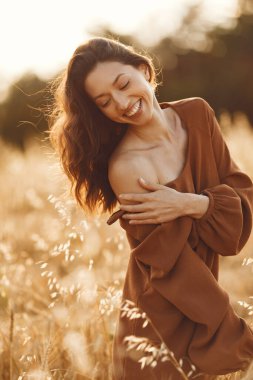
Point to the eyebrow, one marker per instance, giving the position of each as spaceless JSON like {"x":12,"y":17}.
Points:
{"x":115,"y":80}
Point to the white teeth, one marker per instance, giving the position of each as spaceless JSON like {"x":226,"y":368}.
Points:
{"x":134,"y":109}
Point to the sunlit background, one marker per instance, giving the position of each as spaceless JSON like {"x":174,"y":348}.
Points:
{"x":62,"y":272}
{"x":41,"y":36}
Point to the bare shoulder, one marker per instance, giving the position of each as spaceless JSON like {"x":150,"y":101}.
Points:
{"x":124,"y":171}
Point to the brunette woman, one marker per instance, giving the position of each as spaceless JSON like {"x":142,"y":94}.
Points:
{"x":195,"y":205}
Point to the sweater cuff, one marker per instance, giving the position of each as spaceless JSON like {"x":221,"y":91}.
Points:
{"x":210,"y":205}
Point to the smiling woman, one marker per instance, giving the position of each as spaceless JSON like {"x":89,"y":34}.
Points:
{"x":97,"y":98}
{"x":116,"y":103}
{"x":109,"y":129}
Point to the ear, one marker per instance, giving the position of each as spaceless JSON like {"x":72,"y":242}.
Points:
{"x":144,"y":68}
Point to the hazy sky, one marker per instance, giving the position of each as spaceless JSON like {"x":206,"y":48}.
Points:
{"x":42,"y":35}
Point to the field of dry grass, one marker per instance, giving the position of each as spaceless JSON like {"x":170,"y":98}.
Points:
{"x":62,"y":272}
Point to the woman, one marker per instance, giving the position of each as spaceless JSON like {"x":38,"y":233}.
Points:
{"x":110,"y":130}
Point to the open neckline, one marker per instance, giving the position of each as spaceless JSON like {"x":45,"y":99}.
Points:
{"x":187,"y":157}
{"x":118,"y":214}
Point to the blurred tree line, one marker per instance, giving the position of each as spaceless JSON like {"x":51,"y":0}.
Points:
{"x":220,"y":71}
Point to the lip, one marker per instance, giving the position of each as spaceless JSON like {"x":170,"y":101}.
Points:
{"x":137,"y":113}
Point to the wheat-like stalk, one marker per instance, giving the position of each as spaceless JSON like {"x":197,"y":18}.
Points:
{"x":154,"y":353}
{"x":66,"y":276}
{"x":11,"y":339}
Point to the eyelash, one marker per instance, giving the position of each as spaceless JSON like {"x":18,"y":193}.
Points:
{"x":104,"y":105}
{"x":125,"y":85}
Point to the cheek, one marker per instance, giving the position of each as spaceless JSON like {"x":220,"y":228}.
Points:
{"x":150,"y":89}
{"x":105,"y":110}
{"x":110,"y":114}
{"x":147,"y":93}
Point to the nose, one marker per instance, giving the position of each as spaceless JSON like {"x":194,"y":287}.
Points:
{"x":121,"y":102}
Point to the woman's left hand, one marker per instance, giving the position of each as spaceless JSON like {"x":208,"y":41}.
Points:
{"x":161,"y":204}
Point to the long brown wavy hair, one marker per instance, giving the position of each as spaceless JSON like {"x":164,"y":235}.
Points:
{"x":82,"y":136}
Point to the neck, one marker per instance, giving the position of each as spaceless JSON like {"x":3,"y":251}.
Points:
{"x":157,"y":130}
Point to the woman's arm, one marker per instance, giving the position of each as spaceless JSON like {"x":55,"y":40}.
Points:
{"x":226,"y":225}
{"x":224,"y":222}
{"x":177,"y":274}
{"x":144,"y":203}
{"x":195,"y":205}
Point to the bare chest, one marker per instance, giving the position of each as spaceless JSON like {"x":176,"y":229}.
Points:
{"x":167,"y":162}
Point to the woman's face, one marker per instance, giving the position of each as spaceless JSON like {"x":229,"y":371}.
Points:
{"x":122,"y":92}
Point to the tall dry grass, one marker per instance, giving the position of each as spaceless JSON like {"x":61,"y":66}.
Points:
{"x":62,"y":272}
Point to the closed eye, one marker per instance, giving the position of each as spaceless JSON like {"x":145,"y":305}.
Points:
{"x":105,"y":104}
{"x":125,"y":85}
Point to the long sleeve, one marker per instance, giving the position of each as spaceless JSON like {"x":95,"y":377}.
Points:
{"x":227,"y":223}
{"x":171,"y":274}
{"x":181,"y":277}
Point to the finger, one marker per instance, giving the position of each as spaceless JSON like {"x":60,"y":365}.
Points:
{"x":146,"y":221}
{"x":150,"y":185}
{"x":150,"y":220}
{"x":138,"y":208}
{"x":139,"y":216}
{"x":134,"y":197}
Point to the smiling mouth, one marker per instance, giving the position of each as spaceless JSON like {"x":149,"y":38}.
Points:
{"x":135,"y":109}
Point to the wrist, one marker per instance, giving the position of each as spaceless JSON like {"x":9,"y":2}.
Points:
{"x":195,"y":205}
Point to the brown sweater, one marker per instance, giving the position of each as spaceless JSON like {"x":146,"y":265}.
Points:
{"x":172,"y":273}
